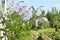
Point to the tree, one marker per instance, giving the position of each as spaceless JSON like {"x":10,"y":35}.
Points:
{"x":53,"y":17}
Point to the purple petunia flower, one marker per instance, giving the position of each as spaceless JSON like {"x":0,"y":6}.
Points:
{"x":27,"y":15}
{"x":16,"y":7}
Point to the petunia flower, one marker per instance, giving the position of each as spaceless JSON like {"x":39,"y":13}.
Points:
{"x":36,"y":22}
{"x":27,"y":15}
{"x":30,"y":14}
{"x":16,"y":7}
{"x":26,"y":18}
{"x":38,"y":13}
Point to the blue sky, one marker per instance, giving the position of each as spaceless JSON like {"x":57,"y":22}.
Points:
{"x":48,"y":4}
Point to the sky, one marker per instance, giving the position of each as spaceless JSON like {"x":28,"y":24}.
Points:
{"x":48,"y":4}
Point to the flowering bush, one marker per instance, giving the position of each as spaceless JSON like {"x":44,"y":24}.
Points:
{"x":15,"y":30}
{"x":19,"y":22}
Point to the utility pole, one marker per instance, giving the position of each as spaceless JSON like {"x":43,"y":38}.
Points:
{"x":3,"y":6}
{"x":3,"y":16}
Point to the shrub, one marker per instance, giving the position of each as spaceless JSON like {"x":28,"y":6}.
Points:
{"x":13,"y":28}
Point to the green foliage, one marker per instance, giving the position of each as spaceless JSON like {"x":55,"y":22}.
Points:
{"x":57,"y":37}
{"x":14,"y":29}
{"x":50,"y":32}
{"x":53,"y":17}
{"x":0,"y":11}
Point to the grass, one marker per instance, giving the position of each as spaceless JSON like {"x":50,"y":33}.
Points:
{"x":46,"y":29}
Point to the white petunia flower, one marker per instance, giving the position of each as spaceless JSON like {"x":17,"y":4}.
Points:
{"x":39,"y":12}
{"x":45,"y":19}
{"x":30,"y":14}
{"x":36,"y":22}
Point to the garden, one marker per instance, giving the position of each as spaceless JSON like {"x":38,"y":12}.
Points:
{"x":20,"y":23}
